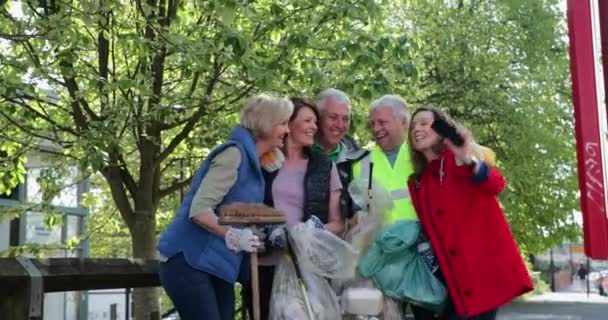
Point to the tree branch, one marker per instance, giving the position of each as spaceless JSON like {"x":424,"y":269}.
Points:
{"x":177,"y":186}
{"x":30,"y":131}
{"x":193,"y":120}
{"x":113,"y":177}
{"x":183,"y":134}
{"x":103,"y":53}
{"x":70,"y":83}
{"x":126,"y":176}
{"x":43,"y":116}
{"x":195,"y":79}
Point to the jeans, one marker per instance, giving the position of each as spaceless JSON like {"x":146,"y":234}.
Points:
{"x":196,"y":294}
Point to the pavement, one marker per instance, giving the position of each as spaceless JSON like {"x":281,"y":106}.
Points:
{"x":567,"y":305}
{"x":568,"y":297}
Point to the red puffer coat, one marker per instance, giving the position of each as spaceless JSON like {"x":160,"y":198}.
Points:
{"x":467,"y":228}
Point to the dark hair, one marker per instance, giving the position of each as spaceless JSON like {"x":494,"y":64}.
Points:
{"x":419,"y":161}
{"x":299,"y":103}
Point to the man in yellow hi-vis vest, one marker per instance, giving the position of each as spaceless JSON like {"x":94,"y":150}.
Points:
{"x":389,"y":121}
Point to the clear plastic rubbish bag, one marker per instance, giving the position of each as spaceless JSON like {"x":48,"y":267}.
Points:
{"x":368,"y":221}
{"x":288,"y":302}
{"x":381,"y":198}
{"x":363,"y":230}
{"x":392,"y":310}
{"x":323,"y":253}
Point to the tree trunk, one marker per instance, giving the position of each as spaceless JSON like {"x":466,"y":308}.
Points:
{"x":146,"y":300}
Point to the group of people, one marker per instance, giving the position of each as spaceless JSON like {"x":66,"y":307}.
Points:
{"x":430,"y":179}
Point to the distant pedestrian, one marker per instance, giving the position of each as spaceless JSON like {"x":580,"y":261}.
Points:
{"x":582,"y":272}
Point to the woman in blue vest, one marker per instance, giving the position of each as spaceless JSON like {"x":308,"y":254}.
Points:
{"x":200,"y":259}
{"x":306,"y":188}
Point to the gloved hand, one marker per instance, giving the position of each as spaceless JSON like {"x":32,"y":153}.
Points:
{"x":315,"y":223}
{"x":259,"y":232}
{"x":276,"y":236}
{"x":242,"y":240}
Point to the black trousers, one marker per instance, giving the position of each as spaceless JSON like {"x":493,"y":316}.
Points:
{"x":449,"y":313}
{"x":266,"y":276}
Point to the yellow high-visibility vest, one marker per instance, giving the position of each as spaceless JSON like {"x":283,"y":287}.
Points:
{"x":393,"y":178}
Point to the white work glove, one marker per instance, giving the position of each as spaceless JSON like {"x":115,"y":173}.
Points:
{"x":242,"y":240}
{"x":261,"y":237}
{"x":276,"y":236}
{"x":315,"y":223}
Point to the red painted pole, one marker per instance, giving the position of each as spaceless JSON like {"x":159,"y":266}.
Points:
{"x":588,"y":114}
{"x":603,"y":9}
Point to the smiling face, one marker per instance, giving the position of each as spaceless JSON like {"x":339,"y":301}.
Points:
{"x":388,"y":129}
{"x":278,"y":134}
{"x":303,"y":127}
{"x":334,"y":123}
{"x":422,"y":137}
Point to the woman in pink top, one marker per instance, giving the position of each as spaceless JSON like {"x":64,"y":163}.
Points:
{"x":306,"y":188}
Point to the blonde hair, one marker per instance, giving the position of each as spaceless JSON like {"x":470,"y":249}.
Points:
{"x":261,"y":112}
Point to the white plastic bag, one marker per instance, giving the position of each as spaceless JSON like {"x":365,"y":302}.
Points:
{"x":362,"y":301}
{"x":368,"y":224}
{"x":391,"y":308}
{"x":323,"y":253}
{"x":288,"y":302}
{"x":370,"y":220}
{"x":381,"y":198}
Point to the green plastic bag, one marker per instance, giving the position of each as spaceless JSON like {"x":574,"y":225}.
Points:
{"x":393,"y":263}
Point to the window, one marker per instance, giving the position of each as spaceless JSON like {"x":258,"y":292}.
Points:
{"x":67,"y":196}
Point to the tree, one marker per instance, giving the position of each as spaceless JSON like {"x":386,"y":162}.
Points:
{"x":136,"y":93}
{"x":134,"y":89}
{"x":501,"y":67}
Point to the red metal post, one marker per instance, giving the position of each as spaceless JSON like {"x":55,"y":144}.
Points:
{"x":603,"y":8}
{"x":590,"y":153}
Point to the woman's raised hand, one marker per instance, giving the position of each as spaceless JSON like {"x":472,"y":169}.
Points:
{"x":463,"y":152}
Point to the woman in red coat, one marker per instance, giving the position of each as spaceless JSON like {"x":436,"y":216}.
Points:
{"x":455,"y":197}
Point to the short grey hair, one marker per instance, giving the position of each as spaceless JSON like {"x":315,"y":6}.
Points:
{"x":332,"y":94}
{"x":391,"y":101}
{"x":261,"y":112}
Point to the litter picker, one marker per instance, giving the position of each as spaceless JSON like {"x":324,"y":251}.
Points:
{"x":296,"y":266}
{"x":251,"y":215}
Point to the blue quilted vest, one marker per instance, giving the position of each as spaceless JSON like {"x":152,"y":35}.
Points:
{"x":206,"y":251}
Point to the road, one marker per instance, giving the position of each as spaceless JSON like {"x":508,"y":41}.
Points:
{"x":558,"y":306}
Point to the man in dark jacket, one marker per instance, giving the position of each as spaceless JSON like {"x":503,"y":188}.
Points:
{"x":332,"y":139}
